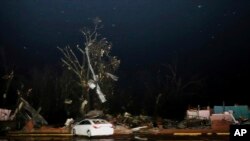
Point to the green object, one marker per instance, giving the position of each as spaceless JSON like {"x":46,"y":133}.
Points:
{"x":239,"y":111}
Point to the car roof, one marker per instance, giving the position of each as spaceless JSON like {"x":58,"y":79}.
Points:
{"x":95,"y":119}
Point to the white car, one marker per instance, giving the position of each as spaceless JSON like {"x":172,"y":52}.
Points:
{"x":93,"y":127}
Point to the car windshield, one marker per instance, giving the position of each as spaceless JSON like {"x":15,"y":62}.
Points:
{"x":100,"y":121}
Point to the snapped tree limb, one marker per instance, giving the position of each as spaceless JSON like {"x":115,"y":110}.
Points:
{"x":98,"y":89}
{"x":93,"y":65}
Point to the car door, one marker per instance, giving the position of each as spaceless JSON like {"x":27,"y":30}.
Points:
{"x":83,"y":127}
{"x":78,"y":128}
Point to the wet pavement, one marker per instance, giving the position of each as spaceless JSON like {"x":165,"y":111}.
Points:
{"x":120,"y":138}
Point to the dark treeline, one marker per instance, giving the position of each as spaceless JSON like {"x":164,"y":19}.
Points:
{"x":159,"y":91}
{"x":165,"y":90}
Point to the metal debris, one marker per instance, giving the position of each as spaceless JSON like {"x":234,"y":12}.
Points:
{"x":138,"y":128}
{"x":141,"y":138}
{"x":94,"y":114}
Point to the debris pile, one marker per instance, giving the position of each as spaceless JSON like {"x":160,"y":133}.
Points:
{"x":133,"y":121}
{"x":167,"y":124}
{"x":4,"y":114}
{"x":127,"y":123}
{"x":24,"y":117}
{"x":94,"y":114}
{"x":27,"y":113}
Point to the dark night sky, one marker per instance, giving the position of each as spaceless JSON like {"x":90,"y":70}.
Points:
{"x":209,"y":37}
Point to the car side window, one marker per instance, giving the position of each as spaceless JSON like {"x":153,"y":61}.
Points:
{"x":85,"y":122}
{"x":82,"y":122}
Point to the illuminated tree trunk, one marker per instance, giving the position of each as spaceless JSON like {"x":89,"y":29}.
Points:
{"x":96,"y":61}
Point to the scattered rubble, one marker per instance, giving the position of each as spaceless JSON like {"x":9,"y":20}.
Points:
{"x":4,"y":114}
{"x":138,"y":128}
{"x":133,"y":121}
{"x":137,"y":123}
{"x":122,"y":130}
{"x":24,"y":117}
{"x":94,"y":114}
{"x":127,"y":123}
{"x":69,"y":122}
{"x":140,"y":138}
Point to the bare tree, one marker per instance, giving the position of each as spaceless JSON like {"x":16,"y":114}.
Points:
{"x":8,"y":78}
{"x":174,"y":87}
{"x":92,"y":64}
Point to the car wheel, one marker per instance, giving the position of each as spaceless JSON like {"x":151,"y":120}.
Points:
{"x":88,"y":133}
{"x":74,"y":132}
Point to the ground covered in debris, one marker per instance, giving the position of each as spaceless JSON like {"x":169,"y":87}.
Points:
{"x":129,"y":124}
